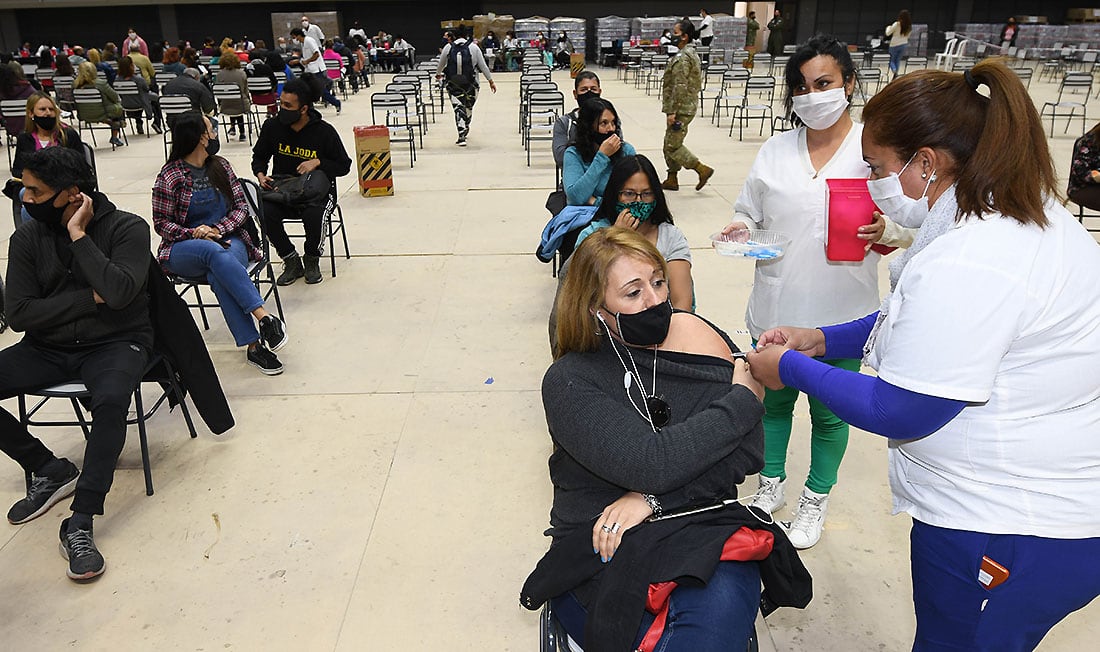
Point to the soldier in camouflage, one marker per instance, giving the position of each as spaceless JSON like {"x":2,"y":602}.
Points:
{"x":679,"y":102}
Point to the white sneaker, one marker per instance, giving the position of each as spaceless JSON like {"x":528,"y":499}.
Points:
{"x":809,"y":519}
{"x":770,"y":495}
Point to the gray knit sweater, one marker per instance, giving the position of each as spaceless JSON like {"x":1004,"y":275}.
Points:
{"x":604,"y":448}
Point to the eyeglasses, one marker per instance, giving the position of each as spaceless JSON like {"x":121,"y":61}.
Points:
{"x":630,"y":195}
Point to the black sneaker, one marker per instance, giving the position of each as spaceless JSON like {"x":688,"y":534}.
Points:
{"x":461,"y":142}
{"x":264,"y":360}
{"x":273,"y":332}
{"x":45,"y":492}
{"x":77,"y":546}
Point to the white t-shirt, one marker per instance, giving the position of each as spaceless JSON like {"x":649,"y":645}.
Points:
{"x":314,"y":31}
{"x":784,"y":193}
{"x":706,"y":28}
{"x":309,"y":46}
{"x":1007,"y":318}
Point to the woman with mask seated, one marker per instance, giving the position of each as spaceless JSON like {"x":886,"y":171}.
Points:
{"x":597,"y":145}
{"x":633,"y":199}
{"x":650,"y":414}
{"x":202,"y":217}
{"x":43,"y":128}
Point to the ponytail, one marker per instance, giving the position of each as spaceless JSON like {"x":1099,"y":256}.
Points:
{"x":1002,"y":162}
{"x":1011,"y":171}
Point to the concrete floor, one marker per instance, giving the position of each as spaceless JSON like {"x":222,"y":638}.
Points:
{"x":389,"y":491}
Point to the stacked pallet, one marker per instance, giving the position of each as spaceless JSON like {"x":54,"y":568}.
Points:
{"x":574,"y":28}
{"x":650,"y":29}
{"x":527,"y":29}
{"x":612,"y":28}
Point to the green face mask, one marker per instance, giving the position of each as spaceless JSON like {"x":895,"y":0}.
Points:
{"x":639,"y":209}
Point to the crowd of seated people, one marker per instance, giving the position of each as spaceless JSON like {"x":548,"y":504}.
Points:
{"x":81,"y":278}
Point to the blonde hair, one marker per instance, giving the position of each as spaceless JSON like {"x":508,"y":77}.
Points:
{"x":586,"y":283}
{"x":30,"y":127}
{"x":85,"y":75}
{"x":93,"y":55}
{"x":229,"y":61}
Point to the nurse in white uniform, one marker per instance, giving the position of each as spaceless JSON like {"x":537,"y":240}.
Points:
{"x":785,"y":191}
{"x":988,"y":360}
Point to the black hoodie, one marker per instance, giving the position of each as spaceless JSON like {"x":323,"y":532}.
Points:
{"x":51,"y":278}
{"x":289,"y":148}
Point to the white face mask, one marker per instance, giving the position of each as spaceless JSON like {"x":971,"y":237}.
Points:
{"x":821,"y":110}
{"x":889,"y":196}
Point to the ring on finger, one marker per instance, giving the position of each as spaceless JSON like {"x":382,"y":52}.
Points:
{"x":614,"y":528}
{"x":607,"y":529}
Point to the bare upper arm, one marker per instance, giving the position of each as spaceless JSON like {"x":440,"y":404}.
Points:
{"x":690,"y":334}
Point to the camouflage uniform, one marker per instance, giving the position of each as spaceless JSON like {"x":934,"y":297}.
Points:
{"x":680,"y":96}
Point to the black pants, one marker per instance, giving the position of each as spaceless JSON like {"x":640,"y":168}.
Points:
{"x":706,"y":40}
{"x":110,"y":371}
{"x":275,"y":213}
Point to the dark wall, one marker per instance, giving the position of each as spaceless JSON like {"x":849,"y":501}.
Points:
{"x":419,"y":21}
{"x":854,"y":21}
{"x":217,"y":20}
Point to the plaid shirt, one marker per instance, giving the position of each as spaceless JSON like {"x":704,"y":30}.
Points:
{"x":172,"y":198}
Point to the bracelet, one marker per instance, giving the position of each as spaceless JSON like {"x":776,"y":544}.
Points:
{"x":653,"y":503}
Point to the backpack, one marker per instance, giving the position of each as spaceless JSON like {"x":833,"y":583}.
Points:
{"x":460,"y":65}
{"x":308,"y":189}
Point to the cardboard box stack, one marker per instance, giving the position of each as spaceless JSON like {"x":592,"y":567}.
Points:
{"x":372,"y":156}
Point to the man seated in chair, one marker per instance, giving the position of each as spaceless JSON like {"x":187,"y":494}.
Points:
{"x":299,"y":141}
{"x":76,"y":286}
{"x":188,"y":84}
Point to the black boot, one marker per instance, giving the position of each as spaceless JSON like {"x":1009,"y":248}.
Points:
{"x":312,"y":269}
{"x":292,"y":269}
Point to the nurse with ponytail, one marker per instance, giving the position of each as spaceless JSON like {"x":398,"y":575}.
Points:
{"x":988,"y":361}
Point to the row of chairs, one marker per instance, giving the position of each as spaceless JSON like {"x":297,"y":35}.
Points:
{"x":541,"y":103}
{"x":407,"y":103}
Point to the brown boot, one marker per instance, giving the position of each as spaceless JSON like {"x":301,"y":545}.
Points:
{"x":671,"y":183}
{"x":705,"y":173}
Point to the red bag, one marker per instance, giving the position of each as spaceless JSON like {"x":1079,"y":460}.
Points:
{"x":849,"y":206}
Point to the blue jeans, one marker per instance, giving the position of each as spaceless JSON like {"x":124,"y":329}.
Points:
{"x":896,"y":53}
{"x":718,"y":617}
{"x":225,"y":270}
{"x":1048,"y":579}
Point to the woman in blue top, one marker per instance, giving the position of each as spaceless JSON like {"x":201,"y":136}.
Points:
{"x":597,"y":144}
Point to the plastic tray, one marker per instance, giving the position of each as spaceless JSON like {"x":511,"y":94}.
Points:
{"x":751,"y":243}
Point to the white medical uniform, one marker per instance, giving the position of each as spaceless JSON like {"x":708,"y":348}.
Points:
{"x":783,"y":192}
{"x":1005,"y":317}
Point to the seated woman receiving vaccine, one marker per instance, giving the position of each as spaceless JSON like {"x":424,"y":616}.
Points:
{"x":652,"y":414}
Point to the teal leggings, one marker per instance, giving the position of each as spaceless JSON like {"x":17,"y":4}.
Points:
{"x":828,"y":435}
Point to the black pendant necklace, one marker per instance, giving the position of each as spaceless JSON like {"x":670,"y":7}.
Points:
{"x":659,"y":411}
